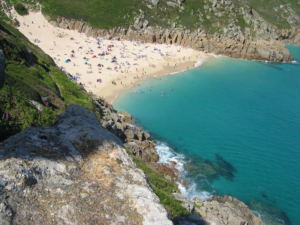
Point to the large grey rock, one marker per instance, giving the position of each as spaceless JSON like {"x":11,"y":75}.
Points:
{"x":38,"y":106}
{"x":173,"y":4}
{"x":225,"y":210}
{"x":2,"y":67}
{"x":73,"y":172}
{"x":186,"y":203}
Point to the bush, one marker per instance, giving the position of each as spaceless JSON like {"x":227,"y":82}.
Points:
{"x":17,"y":114}
{"x":21,"y":10}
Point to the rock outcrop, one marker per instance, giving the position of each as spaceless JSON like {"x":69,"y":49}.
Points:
{"x":73,"y":172}
{"x":2,"y":67}
{"x":263,"y":42}
{"x":186,"y":203}
{"x":225,"y":210}
{"x":136,"y":140}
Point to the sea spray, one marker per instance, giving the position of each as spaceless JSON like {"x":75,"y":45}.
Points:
{"x":168,"y":155}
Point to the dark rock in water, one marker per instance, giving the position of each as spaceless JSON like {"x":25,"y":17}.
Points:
{"x":270,"y":214}
{"x":210,"y":170}
{"x":2,"y":67}
{"x":225,"y":168}
{"x":73,"y":172}
{"x":225,"y":210}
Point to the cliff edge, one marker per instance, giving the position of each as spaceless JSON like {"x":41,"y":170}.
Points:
{"x":73,"y":172}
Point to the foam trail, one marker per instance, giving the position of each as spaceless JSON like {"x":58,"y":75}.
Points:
{"x":167,"y":154}
{"x":199,"y":62}
{"x":216,"y":56}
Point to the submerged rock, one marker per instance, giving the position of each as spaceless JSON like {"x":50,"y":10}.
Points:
{"x":271,"y":214}
{"x":73,"y":172}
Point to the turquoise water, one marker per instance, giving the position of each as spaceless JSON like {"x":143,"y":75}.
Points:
{"x":233,"y":127}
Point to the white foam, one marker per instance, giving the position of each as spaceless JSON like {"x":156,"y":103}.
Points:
{"x":191,"y":192}
{"x":257,"y":214}
{"x":216,"y":56}
{"x":166,"y":155}
{"x":295,"y":62}
{"x":199,"y":62}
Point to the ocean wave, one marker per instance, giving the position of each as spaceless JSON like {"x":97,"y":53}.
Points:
{"x":216,"y":56}
{"x":167,"y":155}
{"x":295,"y":62}
{"x":199,"y":62}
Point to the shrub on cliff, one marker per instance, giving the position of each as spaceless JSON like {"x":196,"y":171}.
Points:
{"x":17,"y":114}
{"x":21,"y":10}
{"x":162,"y":187}
{"x":34,"y":75}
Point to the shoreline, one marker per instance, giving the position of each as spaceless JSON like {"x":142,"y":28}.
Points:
{"x":87,"y":59}
{"x":163,"y":72}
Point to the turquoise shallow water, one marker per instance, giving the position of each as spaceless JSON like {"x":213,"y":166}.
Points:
{"x":233,"y":127}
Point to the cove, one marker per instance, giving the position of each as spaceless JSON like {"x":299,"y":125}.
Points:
{"x":233,"y":126}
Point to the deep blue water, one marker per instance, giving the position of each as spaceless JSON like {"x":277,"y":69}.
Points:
{"x":233,"y":126}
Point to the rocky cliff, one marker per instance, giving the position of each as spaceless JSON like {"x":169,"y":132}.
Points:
{"x":245,"y":34}
{"x":232,"y":43}
{"x":73,"y":172}
{"x":136,"y":140}
{"x":225,"y":210}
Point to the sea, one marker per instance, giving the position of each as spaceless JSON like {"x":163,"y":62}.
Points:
{"x":232,"y":126}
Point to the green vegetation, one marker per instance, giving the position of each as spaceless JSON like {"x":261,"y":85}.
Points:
{"x":21,"y":10}
{"x":266,"y":9}
{"x":17,"y":113}
{"x":162,"y":187}
{"x":31,"y":74}
{"x":100,"y":14}
{"x":192,"y":15}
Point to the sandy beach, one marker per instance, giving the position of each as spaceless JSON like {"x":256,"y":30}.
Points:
{"x":106,"y":67}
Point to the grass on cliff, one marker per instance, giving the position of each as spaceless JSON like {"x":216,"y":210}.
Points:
{"x":266,"y":10}
{"x":17,"y":113}
{"x":31,"y":74}
{"x":162,"y":187}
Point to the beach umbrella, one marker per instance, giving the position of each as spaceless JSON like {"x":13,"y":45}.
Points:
{"x":85,"y":63}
